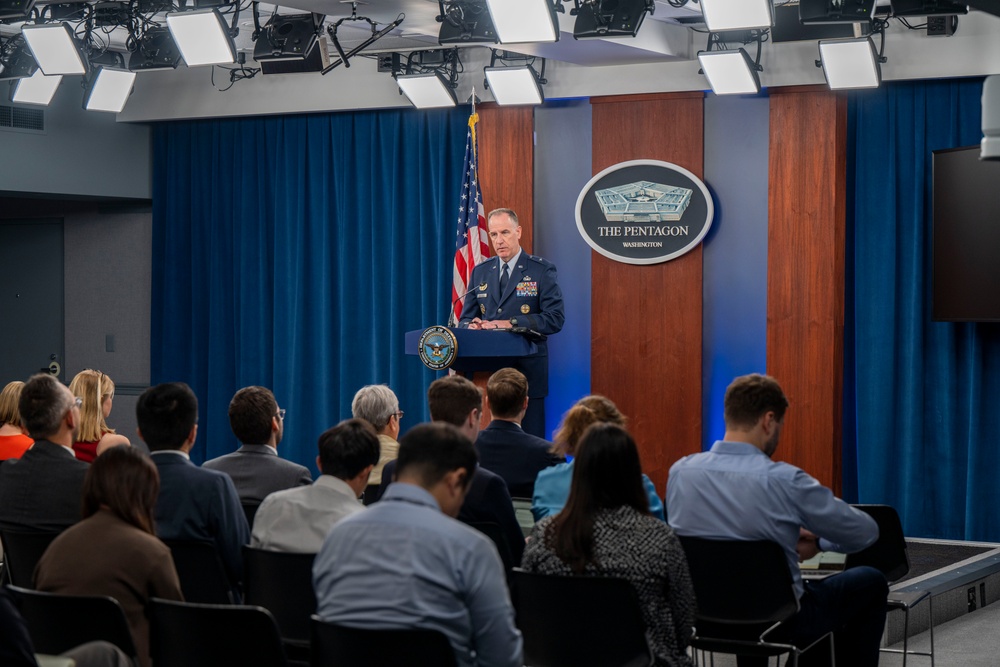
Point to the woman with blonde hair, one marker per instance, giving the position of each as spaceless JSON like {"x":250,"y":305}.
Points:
{"x":13,"y":440}
{"x":93,"y":435}
{"x":552,"y":484}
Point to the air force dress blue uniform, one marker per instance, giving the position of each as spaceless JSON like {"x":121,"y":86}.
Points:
{"x":532,"y":299}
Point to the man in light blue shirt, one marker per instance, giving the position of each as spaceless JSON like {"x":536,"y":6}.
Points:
{"x":405,"y":562}
{"x":736,"y":492}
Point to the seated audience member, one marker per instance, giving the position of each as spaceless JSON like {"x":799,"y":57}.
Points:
{"x":255,"y":468}
{"x":94,"y":436}
{"x":503,"y":447}
{"x":299,"y":519}
{"x":13,"y":440}
{"x":606,"y":530}
{"x":194,"y":503}
{"x":552,"y":485}
{"x":41,"y":490}
{"x":114,"y":550}
{"x":378,"y":405}
{"x":736,"y":492}
{"x":406,"y":563}
{"x":16,"y":649}
{"x":457,"y":401}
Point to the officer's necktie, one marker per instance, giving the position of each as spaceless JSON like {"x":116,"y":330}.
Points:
{"x":504,"y":277}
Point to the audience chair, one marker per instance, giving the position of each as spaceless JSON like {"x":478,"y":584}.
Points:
{"x":22,"y":551}
{"x":58,"y":623}
{"x":281,"y":583}
{"x":203,"y":577}
{"x":184,"y":634}
{"x":522,"y":510}
{"x":889,"y":555}
{"x":571,"y":621}
{"x":250,"y":511}
{"x":340,"y":646}
{"x":491,"y":529}
{"x":744,"y":592}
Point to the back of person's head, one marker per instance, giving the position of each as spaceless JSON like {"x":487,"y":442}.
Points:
{"x":348,"y":448}
{"x":430,"y":451}
{"x":250,"y":414}
{"x":750,"y":397}
{"x":94,"y":387}
{"x":452,"y":398}
{"x":376,"y":404}
{"x":507,"y":390}
{"x":124,"y":481}
{"x":588,"y":410}
{"x":606,"y":475}
{"x":9,"y":397}
{"x":166,"y":414}
{"x":43,"y":404}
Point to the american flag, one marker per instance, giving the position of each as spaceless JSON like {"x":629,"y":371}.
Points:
{"x":473,"y":243}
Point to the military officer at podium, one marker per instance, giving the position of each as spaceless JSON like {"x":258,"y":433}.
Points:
{"x":515,"y":289}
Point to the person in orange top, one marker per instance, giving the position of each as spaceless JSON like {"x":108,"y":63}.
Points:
{"x":14,"y":441}
{"x":93,"y":435}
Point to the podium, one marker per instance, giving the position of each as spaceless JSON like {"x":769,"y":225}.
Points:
{"x":480,"y":353}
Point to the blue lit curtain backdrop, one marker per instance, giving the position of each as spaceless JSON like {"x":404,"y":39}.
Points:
{"x":927,"y":393}
{"x":294,"y":252}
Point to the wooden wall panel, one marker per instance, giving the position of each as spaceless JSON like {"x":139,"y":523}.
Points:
{"x":507,"y":162}
{"x":805,"y":284}
{"x":647,"y":320}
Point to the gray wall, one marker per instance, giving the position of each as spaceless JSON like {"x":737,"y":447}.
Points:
{"x":108,"y":274}
{"x":84,"y":153}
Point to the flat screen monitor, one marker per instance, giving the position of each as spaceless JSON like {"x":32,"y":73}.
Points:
{"x":966,"y":237}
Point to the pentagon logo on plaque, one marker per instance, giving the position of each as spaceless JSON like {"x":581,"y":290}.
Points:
{"x":437,"y":347}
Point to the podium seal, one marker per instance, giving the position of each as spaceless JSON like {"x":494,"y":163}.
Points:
{"x":437,"y":347}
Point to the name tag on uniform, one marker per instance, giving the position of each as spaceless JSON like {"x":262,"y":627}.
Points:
{"x":527,"y":289}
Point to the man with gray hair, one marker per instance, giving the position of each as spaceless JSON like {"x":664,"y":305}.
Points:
{"x":42,"y":490}
{"x":378,"y":405}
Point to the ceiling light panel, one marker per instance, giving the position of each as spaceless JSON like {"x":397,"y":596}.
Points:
{"x":110,"y":90}
{"x":54,"y":49}
{"x":851,"y":63}
{"x":36,"y":89}
{"x":202,"y":37}
{"x":730,"y":72}
{"x":426,"y":91}
{"x":736,"y":14}
{"x":523,"y":21}
{"x":514,"y":85}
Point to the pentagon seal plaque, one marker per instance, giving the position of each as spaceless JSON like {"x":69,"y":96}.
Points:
{"x":437,"y":347}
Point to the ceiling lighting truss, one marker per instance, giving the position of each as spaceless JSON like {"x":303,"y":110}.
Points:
{"x":609,"y":18}
{"x":731,"y":71}
{"x":516,"y":81}
{"x":854,"y":63}
{"x":465,"y":22}
{"x":376,"y":35}
{"x":285,"y":36}
{"x":15,"y":59}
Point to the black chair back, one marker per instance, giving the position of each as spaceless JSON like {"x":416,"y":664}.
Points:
{"x":58,"y":623}
{"x":200,"y":570}
{"x":250,"y":511}
{"x":282,"y":584}
{"x":21,"y":553}
{"x":571,"y":621}
{"x":183,"y":634}
{"x":491,"y":529}
{"x":888,"y":554}
{"x":740,"y":582}
{"x":336,"y":645}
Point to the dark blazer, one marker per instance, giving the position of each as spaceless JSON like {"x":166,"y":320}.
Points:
{"x":487,"y":502}
{"x":258,"y":471}
{"x":505,"y":449}
{"x":43,"y":490}
{"x":199,"y":504}
{"x":532,"y":297}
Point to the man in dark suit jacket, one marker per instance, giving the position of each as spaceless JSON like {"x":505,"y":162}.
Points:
{"x":255,"y":468}
{"x":457,"y":401}
{"x":43,"y":490}
{"x":503,"y":446}
{"x":515,"y":289}
{"x":194,"y":503}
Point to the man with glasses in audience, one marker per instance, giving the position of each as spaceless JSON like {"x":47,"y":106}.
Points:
{"x":255,"y":468}
{"x":42,"y":490}
{"x":378,"y":405}
{"x":406,"y":563}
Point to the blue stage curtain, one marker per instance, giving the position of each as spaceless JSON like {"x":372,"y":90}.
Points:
{"x":927,"y":393}
{"x":293,"y":252}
